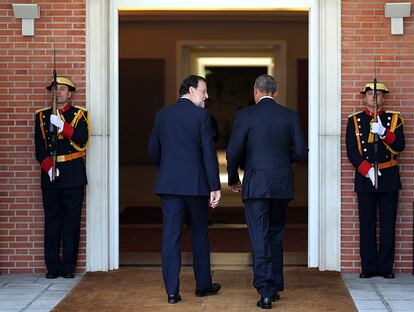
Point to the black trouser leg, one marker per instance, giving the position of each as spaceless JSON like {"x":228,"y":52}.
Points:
{"x":52,"y":233}
{"x":367,"y":207}
{"x":388,"y":203}
{"x":72,"y":200}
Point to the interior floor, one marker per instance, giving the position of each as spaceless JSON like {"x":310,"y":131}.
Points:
{"x":141,"y":222}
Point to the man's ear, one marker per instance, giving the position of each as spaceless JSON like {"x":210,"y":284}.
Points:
{"x":275,"y":94}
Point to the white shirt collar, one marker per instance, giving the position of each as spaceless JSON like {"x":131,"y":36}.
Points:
{"x":265,"y":97}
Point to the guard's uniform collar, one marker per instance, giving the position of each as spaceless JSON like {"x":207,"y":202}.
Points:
{"x":371,"y":114}
{"x":64,"y":108}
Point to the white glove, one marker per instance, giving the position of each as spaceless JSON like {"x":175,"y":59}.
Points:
{"x":55,"y":120}
{"x":371,"y":175}
{"x":378,"y":128}
{"x":50,"y":173}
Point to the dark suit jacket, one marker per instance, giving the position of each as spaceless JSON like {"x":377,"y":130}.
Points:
{"x":266,"y":138}
{"x":181,"y":145}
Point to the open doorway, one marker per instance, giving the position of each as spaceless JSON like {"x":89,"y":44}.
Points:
{"x":150,"y":62}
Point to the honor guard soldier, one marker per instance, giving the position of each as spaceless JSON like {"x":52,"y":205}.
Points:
{"x":62,"y":191}
{"x":363,"y":151}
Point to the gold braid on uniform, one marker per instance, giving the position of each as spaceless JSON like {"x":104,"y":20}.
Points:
{"x":394,"y":125}
{"x":74,"y":123}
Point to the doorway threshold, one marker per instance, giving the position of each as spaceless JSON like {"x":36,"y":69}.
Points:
{"x":219,"y":260}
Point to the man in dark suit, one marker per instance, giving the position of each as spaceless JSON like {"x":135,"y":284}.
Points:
{"x":181,"y":145}
{"x":62,"y":197}
{"x":266,"y":138}
{"x":360,"y":146}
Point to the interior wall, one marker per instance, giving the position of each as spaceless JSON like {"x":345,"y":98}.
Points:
{"x":147,"y":39}
{"x":157,"y":40}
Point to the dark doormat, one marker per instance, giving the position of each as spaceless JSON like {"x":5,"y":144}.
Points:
{"x":142,"y":290}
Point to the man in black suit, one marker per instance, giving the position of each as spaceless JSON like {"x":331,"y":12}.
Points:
{"x":360,"y":146}
{"x":266,"y":138}
{"x":181,"y":145}
{"x":62,"y":197}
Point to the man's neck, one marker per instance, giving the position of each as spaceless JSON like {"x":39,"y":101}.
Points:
{"x":61,"y":105}
{"x":371,"y":109}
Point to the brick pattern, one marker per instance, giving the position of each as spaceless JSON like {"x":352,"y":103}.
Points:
{"x":26,"y":65}
{"x":367,"y":33}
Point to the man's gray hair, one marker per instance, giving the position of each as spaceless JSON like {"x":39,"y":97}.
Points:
{"x":265,"y":83}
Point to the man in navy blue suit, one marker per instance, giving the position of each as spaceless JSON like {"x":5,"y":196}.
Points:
{"x":266,"y":138}
{"x":181,"y":145}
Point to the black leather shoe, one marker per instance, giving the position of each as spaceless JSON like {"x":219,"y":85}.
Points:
{"x":68,"y":275}
{"x":367,"y":274}
{"x":174,"y":298}
{"x":275,"y":297}
{"x":264,"y":303}
{"x":51,"y":275}
{"x":388,"y":275}
{"x":212,"y":290}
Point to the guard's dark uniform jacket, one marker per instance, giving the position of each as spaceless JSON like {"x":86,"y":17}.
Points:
{"x":71,"y":147}
{"x":360,"y":149}
{"x":63,"y":198}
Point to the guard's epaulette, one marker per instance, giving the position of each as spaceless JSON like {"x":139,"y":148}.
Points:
{"x":392,"y":112}
{"x":356,"y":113}
{"x":81,"y":107}
{"x":42,"y":109}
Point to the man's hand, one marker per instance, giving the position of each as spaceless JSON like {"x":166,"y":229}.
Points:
{"x":236,"y":188}
{"x":377,"y":127}
{"x":215,"y":198}
{"x":371,"y":175}
{"x":55,"y":120}
{"x":50,"y":173}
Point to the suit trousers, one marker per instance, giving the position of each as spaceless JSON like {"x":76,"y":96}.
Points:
{"x":266,"y":223}
{"x":373,"y":260}
{"x":175,"y":208}
{"x":62,"y":209}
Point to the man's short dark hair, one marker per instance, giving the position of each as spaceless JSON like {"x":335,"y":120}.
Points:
{"x":265,"y":83}
{"x":190,"y":81}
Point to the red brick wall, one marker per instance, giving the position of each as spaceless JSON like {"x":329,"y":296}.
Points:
{"x":25,"y":69}
{"x":367,"y":33}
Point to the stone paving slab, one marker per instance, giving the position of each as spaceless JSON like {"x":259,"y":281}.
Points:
{"x":358,"y":291}
{"x":401,"y":305}
{"x":366,"y":304}
{"x":32,"y":292}
{"x":380,"y":294}
{"x":397,"y":292}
